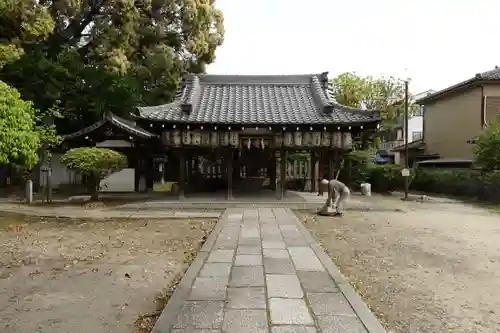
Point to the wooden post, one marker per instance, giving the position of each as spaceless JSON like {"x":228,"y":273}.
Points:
{"x":321,"y":161}
{"x":314,"y":176}
{"x":189,"y":171}
{"x":272,"y":170}
{"x":331,"y":165}
{"x":182,"y":173}
{"x":229,"y":166}
{"x":282,"y":173}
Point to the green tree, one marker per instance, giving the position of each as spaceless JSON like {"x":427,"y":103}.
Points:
{"x":95,"y":163}
{"x":19,"y":138}
{"x":89,"y":56}
{"x":487,"y":151}
{"x":386,"y":95}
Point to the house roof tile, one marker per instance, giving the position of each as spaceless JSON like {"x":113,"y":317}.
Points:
{"x":126,"y":125}
{"x":256,"y":99}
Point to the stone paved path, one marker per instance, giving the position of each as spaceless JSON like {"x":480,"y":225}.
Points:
{"x":261,"y":271}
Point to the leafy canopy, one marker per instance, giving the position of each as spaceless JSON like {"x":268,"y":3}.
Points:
{"x":487,"y":151}
{"x":386,"y":95}
{"x":19,"y":139}
{"x":91,"y":56}
{"x":95,"y":162}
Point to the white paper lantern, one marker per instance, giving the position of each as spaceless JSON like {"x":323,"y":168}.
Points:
{"x":224,"y":139}
{"x":196,"y":138}
{"x":165,"y":138}
{"x":337,"y":140}
{"x":316,"y":139}
{"x":297,"y":139}
{"x":233,"y":139}
{"x":186,"y":137}
{"x":307,"y":139}
{"x":278,"y":140}
{"x":326,"y":139}
{"x":288,"y":139}
{"x":205,"y":138}
{"x":347,"y":140}
{"x":177,"y":138}
{"x":214,"y":139}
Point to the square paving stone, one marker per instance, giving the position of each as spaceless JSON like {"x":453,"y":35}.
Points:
{"x":293,"y":329}
{"x":200,"y":314}
{"x":278,"y":266}
{"x":284,"y":286}
{"x":249,"y":242}
{"x":249,"y":250}
{"x":289,"y":229}
{"x":246,"y":298}
{"x":209,"y":288}
{"x":248,"y":260}
{"x":329,"y":304}
{"x":340,"y":324}
{"x":320,"y":282}
{"x":247,"y":276}
{"x":245,"y":321}
{"x":289,"y":312}
{"x":195,"y":330}
{"x":250,"y":233}
{"x":276,"y":254}
{"x":221,"y":256}
{"x":296,"y":241}
{"x":273,"y":245}
{"x":216,"y":269}
{"x":305,"y":259}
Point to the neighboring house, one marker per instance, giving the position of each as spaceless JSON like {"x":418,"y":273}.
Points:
{"x":455,"y":115}
{"x":394,"y":137}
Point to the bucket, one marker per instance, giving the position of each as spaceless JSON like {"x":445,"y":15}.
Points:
{"x":366,"y":189}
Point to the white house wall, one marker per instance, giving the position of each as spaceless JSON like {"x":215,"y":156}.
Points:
{"x":61,"y":175}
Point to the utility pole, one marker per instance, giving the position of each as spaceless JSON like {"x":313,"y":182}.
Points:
{"x":406,"y":176}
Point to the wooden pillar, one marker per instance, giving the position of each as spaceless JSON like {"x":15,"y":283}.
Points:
{"x":282,"y":173}
{"x":137,"y":173}
{"x":321,"y":161}
{"x":331,"y":165}
{"x":189,"y":170}
{"x":229,"y":173}
{"x":314,"y":176}
{"x":272,"y":170}
{"x":182,"y":173}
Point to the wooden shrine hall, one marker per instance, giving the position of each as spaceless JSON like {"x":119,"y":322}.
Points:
{"x":245,"y":126}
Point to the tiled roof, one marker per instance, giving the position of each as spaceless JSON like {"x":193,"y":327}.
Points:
{"x":256,"y":99}
{"x":491,"y":75}
{"x":126,"y":125}
{"x":417,"y":144}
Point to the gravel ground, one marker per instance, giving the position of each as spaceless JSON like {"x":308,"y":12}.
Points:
{"x":67,"y":275}
{"x":422,"y":267}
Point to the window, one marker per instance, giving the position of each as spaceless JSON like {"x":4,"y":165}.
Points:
{"x":416,"y":135}
{"x":420,"y":111}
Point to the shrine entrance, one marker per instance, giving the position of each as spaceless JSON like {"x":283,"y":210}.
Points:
{"x":254,"y":169}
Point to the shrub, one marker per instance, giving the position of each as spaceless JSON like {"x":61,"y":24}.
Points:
{"x":487,"y":152}
{"x":94,"y":163}
{"x":385,"y":178}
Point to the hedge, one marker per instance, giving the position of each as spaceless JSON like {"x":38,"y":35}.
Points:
{"x":468,"y":183}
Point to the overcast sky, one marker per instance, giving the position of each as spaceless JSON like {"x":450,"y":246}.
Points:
{"x":440,"y":42}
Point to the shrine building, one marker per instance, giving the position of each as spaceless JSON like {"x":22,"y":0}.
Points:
{"x":233,"y":132}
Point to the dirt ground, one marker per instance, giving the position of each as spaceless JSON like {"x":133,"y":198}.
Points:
{"x":422,"y":267}
{"x":64,"y":275}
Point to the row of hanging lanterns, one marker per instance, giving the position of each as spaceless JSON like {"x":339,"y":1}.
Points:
{"x":233,"y":139}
